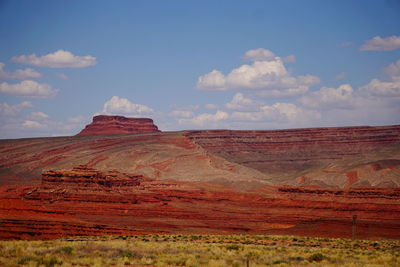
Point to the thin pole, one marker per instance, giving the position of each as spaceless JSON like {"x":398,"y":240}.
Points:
{"x":353,"y":227}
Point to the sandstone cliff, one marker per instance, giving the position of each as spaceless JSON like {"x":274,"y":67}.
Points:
{"x":104,"y":124}
{"x":300,"y":181}
{"x":85,"y":201}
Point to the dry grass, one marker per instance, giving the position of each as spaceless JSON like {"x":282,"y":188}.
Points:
{"x":200,"y":250}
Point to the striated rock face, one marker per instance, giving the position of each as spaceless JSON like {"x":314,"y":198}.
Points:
{"x":83,"y":175}
{"x":78,"y":202}
{"x":104,"y":124}
{"x":301,"y":181}
{"x":337,"y":156}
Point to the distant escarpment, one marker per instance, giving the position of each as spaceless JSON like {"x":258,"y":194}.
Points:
{"x":336,"y":156}
{"x":104,"y":124}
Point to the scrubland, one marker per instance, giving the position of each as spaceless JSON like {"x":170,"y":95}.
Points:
{"x":200,"y":250}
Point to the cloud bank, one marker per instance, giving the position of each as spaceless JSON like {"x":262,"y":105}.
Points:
{"x":266,"y":77}
{"x":382,"y":44}
{"x":28,"y":88}
{"x":58,"y":59}
{"x":19,"y":74}
{"x":119,"y":105}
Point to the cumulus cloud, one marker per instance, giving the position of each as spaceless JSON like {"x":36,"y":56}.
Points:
{"x":77,"y":119}
{"x":19,"y":74}
{"x":278,"y":112}
{"x":58,"y":59}
{"x":11,"y":110}
{"x":382,"y":44}
{"x":375,"y":103}
{"x":32,"y":124}
{"x":211,"y":106}
{"x":240,"y":102}
{"x":327,"y":98}
{"x":393,"y":70}
{"x":266,"y":77}
{"x":28,"y":88}
{"x":38,"y":115}
{"x":380,"y":88}
{"x":259,"y":54}
{"x":62,"y":76}
{"x":181,"y":113}
{"x":119,"y":105}
{"x":206,"y":119}
{"x":387,"y":88}
{"x":289,"y":59}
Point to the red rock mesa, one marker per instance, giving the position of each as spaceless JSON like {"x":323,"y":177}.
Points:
{"x":104,"y":124}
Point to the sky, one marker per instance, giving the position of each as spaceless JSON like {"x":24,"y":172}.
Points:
{"x":198,"y":64}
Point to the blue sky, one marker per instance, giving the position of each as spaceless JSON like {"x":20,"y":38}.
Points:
{"x":198,"y":64}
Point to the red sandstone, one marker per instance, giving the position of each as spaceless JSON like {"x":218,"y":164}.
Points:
{"x":104,"y":124}
{"x":76,"y":203}
{"x":301,"y":181}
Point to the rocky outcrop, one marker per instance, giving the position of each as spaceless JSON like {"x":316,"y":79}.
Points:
{"x":85,"y":176}
{"x":76,"y":202}
{"x":104,"y":124}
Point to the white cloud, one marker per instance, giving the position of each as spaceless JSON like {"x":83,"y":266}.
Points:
{"x":117,"y":105}
{"x":213,"y":81}
{"x":377,"y":87}
{"x":393,"y":70}
{"x":62,"y":76}
{"x":240,"y":102}
{"x":28,"y":88}
{"x":19,"y":74}
{"x":388,"y":88}
{"x":77,"y":119}
{"x":268,"y":78}
{"x":206,"y":119}
{"x":259,"y":54}
{"x":32,"y":124}
{"x":328,"y":98}
{"x":11,"y":110}
{"x":289,"y":59}
{"x":382,"y":44}
{"x":278,"y":112}
{"x":211,"y":106}
{"x":181,"y":114}
{"x":376,"y":103}
{"x":38,"y":115}
{"x":58,"y":59}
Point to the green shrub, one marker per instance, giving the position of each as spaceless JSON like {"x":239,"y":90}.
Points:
{"x":316,"y":257}
{"x":26,"y":259}
{"x":298,"y":258}
{"x":67,"y":250}
{"x":232,"y":247}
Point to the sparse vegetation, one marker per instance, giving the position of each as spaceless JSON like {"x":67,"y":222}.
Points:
{"x":200,"y":250}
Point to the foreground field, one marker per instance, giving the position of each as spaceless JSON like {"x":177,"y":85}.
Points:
{"x":200,"y":250}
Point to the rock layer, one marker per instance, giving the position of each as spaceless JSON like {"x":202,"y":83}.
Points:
{"x":346,"y":155}
{"x":104,"y":124}
{"x":83,"y":175}
{"x":301,"y":181}
{"x":81,"y":206}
